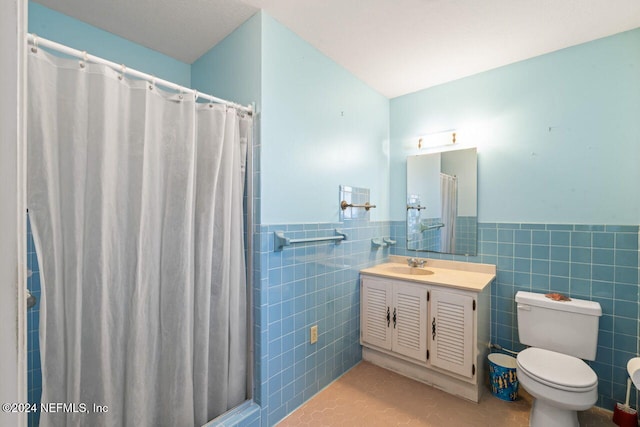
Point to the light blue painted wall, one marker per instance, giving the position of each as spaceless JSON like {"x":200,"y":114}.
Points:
{"x":558,"y":135}
{"x":321,"y":127}
{"x":63,"y":29}
{"x":232,"y":69}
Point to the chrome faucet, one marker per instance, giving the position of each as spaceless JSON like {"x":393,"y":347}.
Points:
{"x":415,"y":262}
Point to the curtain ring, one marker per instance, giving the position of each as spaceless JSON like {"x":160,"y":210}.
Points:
{"x":84,"y":59}
{"x":153,"y":82}
{"x":196,"y":94}
{"x":34,"y":48}
{"x":123,"y":70}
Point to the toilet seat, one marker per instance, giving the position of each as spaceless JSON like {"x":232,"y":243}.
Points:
{"x":557,"y":370}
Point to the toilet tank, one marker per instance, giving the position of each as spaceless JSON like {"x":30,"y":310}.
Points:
{"x":567,"y":327}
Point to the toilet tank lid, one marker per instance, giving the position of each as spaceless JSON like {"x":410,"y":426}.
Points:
{"x":590,"y":308}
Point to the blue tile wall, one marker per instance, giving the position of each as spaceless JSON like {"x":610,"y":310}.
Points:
{"x":427,"y":239}
{"x":466,"y":234}
{"x":34,"y":373}
{"x":308,"y":284}
{"x":593,"y":262}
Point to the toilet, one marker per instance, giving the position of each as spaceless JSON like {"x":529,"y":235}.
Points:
{"x":560,"y":334}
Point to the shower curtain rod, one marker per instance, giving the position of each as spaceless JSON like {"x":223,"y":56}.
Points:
{"x":37,"y":41}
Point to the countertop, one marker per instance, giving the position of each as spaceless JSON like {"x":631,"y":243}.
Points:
{"x":467,"y":276}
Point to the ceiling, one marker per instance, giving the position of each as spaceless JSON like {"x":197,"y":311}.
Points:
{"x":395,"y":46}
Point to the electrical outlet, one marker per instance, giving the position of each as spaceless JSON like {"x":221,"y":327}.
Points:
{"x":313,"y":334}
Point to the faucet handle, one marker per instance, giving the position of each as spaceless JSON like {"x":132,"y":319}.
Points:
{"x":415,"y":262}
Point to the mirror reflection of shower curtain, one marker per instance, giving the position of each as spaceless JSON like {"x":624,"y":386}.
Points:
{"x":414,"y":234}
{"x":135,"y":198}
{"x":449,"y":203}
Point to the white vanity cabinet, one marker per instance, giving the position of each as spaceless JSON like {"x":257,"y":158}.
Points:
{"x":452,"y":332}
{"x":394,"y":316}
{"x":427,"y":327}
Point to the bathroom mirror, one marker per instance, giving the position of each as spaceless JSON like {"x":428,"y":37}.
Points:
{"x":442,"y":202}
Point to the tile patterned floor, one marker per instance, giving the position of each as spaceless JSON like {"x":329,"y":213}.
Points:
{"x":368,"y":395}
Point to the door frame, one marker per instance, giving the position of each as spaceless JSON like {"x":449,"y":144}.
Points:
{"x":13,"y":309}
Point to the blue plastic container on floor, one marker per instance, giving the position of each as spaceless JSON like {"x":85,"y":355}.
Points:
{"x":502,"y":376}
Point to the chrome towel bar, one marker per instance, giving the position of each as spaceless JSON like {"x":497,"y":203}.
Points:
{"x":424,"y":227}
{"x":280,"y":241}
{"x":344,"y":205}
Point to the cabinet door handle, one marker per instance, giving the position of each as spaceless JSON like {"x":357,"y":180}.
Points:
{"x":388,"y":317}
{"x":394,"y":317}
{"x":433,"y":329}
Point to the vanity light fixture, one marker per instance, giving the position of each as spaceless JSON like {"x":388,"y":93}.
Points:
{"x":448,"y":137}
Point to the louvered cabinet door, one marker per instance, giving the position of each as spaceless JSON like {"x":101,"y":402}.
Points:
{"x":409,"y":321}
{"x":375,"y":307}
{"x":451,"y":332}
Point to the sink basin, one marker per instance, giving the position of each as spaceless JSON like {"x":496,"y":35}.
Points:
{"x":405,"y":269}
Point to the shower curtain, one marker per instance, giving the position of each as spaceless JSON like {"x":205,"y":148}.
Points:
{"x":449,"y":203}
{"x":135,"y":197}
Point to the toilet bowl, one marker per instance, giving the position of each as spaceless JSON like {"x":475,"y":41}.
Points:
{"x":561,"y":385}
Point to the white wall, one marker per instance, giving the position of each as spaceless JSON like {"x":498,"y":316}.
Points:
{"x":12,"y":224}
